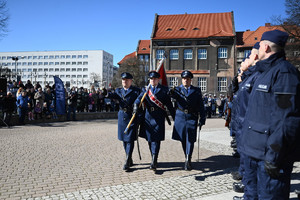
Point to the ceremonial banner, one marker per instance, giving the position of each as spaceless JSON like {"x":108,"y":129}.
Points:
{"x":59,"y":96}
{"x":162,"y":72}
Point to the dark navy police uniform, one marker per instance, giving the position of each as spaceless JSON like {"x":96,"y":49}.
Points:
{"x":272,"y":126}
{"x":126,"y":99}
{"x":154,"y":117}
{"x":189,"y":104}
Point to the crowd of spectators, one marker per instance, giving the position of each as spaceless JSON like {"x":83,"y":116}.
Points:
{"x":34,"y":102}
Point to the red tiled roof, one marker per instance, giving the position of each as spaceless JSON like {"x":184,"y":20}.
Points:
{"x":143,"y":47}
{"x":132,"y":55}
{"x":251,"y":37}
{"x":193,"y":26}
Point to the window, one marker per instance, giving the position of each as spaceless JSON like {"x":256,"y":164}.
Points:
{"x":222,"y":84}
{"x":85,"y":76}
{"x":146,"y":58}
{"x":46,"y":57}
{"x":56,"y":56}
{"x":68,"y":69}
{"x":24,"y":63}
{"x":40,"y":76}
{"x":62,"y":76}
{"x":202,"y":83}
{"x":29,"y":57}
{"x":56,"y":69}
{"x":50,"y":76}
{"x":68,"y":76}
{"x":79,"y":69}
{"x":41,"y":57}
{"x":73,"y":63}
{"x":34,"y":63}
{"x":45,"y":69}
{"x":79,"y":76}
{"x":68,"y":56}
{"x":85,"y":63}
{"x":85,"y":56}
{"x":247,"y":53}
{"x":62,"y":63}
{"x":30,"y":63}
{"x":73,"y":76}
{"x":174,"y":54}
{"x":29,"y":69}
{"x":40,"y":69}
{"x":68,"y":63}
{"x":62,"y":69}
{"x":56,"y":63}
{"x":73,"y":56}
{"x":173,"y":81}
{"x":51,"y":57}
{"x":34,"y":57}
{"x":188,"y":54}
{"x":73,"y":69}
{"x":51,"y":69}
{"x":62,"y":56}
{"x":24,"y":70}
{"x":40,"y":63}
{"x":202,"y":53}
{"x":141,"y":57}
{"x":79,"y":63}
{"x":222,"y":52}
{"x":79,"y":56}
{"x":85,"y":69}
{"x":51,"y":63}
{"x":45,"y":63}
{"x":160,"y":54}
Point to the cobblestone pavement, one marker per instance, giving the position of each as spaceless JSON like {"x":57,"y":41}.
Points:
{"x":84,"y":160}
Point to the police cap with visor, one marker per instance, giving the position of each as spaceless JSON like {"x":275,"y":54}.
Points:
{"x":126,"y":75}
{"x":153,"y":74}
{"x":186,"y":74}
{"x":276,"y":36}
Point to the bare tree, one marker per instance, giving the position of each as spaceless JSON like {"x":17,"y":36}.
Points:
{"x":135,"y":67}
{"x":4,"y":17}
{"x":95,"y":79}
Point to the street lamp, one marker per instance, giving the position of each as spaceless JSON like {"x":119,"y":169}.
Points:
{"x":45,"y":77}
{"x":16,"y":58}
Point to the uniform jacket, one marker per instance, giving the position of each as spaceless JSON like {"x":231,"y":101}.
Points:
{"x":126,"y":101}
{"x":189,"y":106}
{"x":271,"y":127}
{"x":153,"y":128}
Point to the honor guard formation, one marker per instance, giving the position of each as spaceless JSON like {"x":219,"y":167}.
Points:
{"x":262,"y":112}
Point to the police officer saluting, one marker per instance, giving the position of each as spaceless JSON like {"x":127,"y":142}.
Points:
{"x":156,"y":101}
{"x":270,"y":139}
{"x":189,"y":105}
{"x":126,"y":96}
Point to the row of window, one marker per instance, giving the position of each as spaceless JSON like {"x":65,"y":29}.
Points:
{"x":52,"y":70}
{"x":188,"y":53}
{"x":202,"y":83}
{"x":44,"y":63}
{"x":45,"y":57}
{"x":51,"y":76}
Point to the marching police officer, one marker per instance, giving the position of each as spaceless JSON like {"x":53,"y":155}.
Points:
{"x":156,"y":101}
{"x":126,"y":97}
{"x":189,"y":105}
{"x":271,"y":126}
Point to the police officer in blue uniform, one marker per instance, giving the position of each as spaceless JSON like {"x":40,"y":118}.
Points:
{"x":126,"y":97}
{"x":246,"y":79}
{"x":156,"y":100}
{"x":189,"y":105}
{"x":271,"y":126}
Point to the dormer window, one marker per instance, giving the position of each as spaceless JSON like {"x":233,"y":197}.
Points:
{"x":144,"y":48}
{"x":168,"y":29}
{"x":182,"y":29}
{"x":195,"y":29}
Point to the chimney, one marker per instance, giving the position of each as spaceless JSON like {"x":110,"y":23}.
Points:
{"x":267,"y":24}
{"x":248,"y":30}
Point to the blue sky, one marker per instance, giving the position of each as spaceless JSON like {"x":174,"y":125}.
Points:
{"x":114,"y":26}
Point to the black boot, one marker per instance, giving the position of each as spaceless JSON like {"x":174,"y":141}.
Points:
{"x":188,"y":163}
{"x":127,"y":163}
{"x":154,"y":162}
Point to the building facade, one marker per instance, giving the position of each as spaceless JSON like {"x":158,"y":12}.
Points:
{"x":75,"y":68}
{"x":201,"y":43}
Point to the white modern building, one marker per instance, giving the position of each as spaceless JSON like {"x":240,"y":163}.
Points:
{"x":75,"y":68}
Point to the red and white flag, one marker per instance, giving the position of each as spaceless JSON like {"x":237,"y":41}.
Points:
{"x":162,"y":73}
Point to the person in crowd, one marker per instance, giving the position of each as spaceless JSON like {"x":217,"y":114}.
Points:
{"x":221,"y":106}
{"x":213,"y":105}
{"x":28,"y":85}
{"x":9,"y":106}
{"x":126,"y":95}
{"x":72,"y":104}
{"x":52,"y":111}
{"x":30,"y":109}
{"x":189,"y":106}
{"x":156,"y":100}
{"x":270,"y":139}
{"x":39,"y":97}
{"x":91,"y":102}
{"x":22,"y":105}
{"x":85,"y":99}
